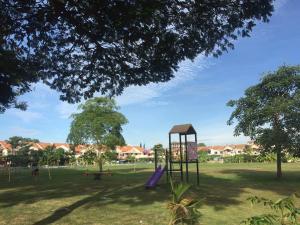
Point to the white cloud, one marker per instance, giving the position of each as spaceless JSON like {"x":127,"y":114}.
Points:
{"x":26,"y":116}
{"x":65,"y":109}
{"x":278,"y":4}
{"x":156,"y":103}
{"x":139,"y":94}
{"x":20,"y":131}
{"x":223,"y":139}
{"x":218,"y":134}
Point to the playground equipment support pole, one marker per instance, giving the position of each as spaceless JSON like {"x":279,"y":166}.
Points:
{"x":170,"y":155}
{"x":198,"y":180}
{"x":181,"y":158}
{"x":186,"y":160}
{"x":167,"y":164}
{"x":155,"y":159}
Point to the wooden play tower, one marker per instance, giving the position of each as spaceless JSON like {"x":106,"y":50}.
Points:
{"x":182,"y":153}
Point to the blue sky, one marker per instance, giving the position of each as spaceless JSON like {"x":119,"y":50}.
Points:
{"x":198,"y":94}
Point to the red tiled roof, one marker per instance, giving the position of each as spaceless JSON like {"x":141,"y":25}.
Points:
{"x":238,"y":146}
{"x":129,"y":148}
{"x":44,"y":145}
{"x":4,"y":144}
{"x":79,"y":148}
{"x":204,"y":148}
{"x":216,"y":147}
{"x":61,"y":144}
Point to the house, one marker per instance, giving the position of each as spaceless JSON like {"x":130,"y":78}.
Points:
{"x":41,"y":145}
{"x":65,"y":147}
{"x":5,"y":148}
{"x":230,"y":150}
{"x":215,"y":150}
{"x":126,"y":151}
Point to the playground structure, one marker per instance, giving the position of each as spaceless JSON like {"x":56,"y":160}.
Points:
{"x":180,"y":153}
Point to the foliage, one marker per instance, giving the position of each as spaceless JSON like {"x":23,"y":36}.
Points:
{"x":201,"y":145}
{"x":270,"y":112}
{"x":83,"y":47}
{"x":49,"y":156}
{"x":110,"y":156}
{"x":160,"y":151}
{"x":25,"y":157}
{"x":203,"y":156}
{"x":89,"y":157}
{"x":183,"y":209}
{"x":131,"y":158}
{"x":263,"y":158}
{"x":98,"y":123}
{"x":285,"y":212}
{"x":17,"y":141}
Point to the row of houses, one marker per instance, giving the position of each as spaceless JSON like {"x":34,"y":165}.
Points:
{"x":231,"y":150}
{"x":123,"y":152}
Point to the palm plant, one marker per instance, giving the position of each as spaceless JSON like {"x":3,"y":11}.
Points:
{"x":183,"y":208}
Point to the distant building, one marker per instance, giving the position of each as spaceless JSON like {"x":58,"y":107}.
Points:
{"x":5,"y":148}
{"x":138,"y":152}
{"x":230,"y":150}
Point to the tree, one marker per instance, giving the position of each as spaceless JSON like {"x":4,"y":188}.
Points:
{"x":132,"y":159}
{"x":18,"y":141}
{"x":160,"y":152}
{"x":201,"y":145}
{"x":89,"y":157}
{"x":110,"y":156}
{"x":203,"y":156}
{"x":49,"y":158}
{"x":269,"y":113}
{"x":83,"y":47}
{"x":99,"y":123}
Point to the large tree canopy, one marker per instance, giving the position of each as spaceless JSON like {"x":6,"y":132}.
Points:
{"x":98,"y":123}
{"x":83,"y":47}
{"x":269,"y":112}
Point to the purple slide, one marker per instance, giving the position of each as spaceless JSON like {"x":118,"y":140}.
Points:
{"x":155,"y":177}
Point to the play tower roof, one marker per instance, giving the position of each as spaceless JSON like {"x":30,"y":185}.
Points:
{"x":183,"y":129}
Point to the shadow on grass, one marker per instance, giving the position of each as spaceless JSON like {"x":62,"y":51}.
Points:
{"x":127,"y":187}
{"x":266,"y":180}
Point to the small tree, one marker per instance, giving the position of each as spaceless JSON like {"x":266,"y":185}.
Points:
{"x":203,"y":156}
{"x":110,"y":156}
{"x":201,"y":145}
{"x":269,"y":113}
{"x":99,"y":123}
{"x":160,"y":152}
{"x":89,"y":157}
{"x":48,"y":158}
{"x":132,"y":159}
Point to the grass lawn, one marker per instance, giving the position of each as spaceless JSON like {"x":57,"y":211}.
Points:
{"x":71,"y":198}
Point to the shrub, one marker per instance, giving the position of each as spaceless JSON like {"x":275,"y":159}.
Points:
{"x":284,"y":212}
{"x":183,"y":208}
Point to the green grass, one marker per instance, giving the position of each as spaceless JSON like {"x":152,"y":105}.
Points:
{"x":71,"y":198}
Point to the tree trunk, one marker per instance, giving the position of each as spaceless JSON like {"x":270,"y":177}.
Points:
{"x":100,"y":162}
{"x":9,"y":173}
{"x":49,"y":174}
{"x":279,"y":171}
